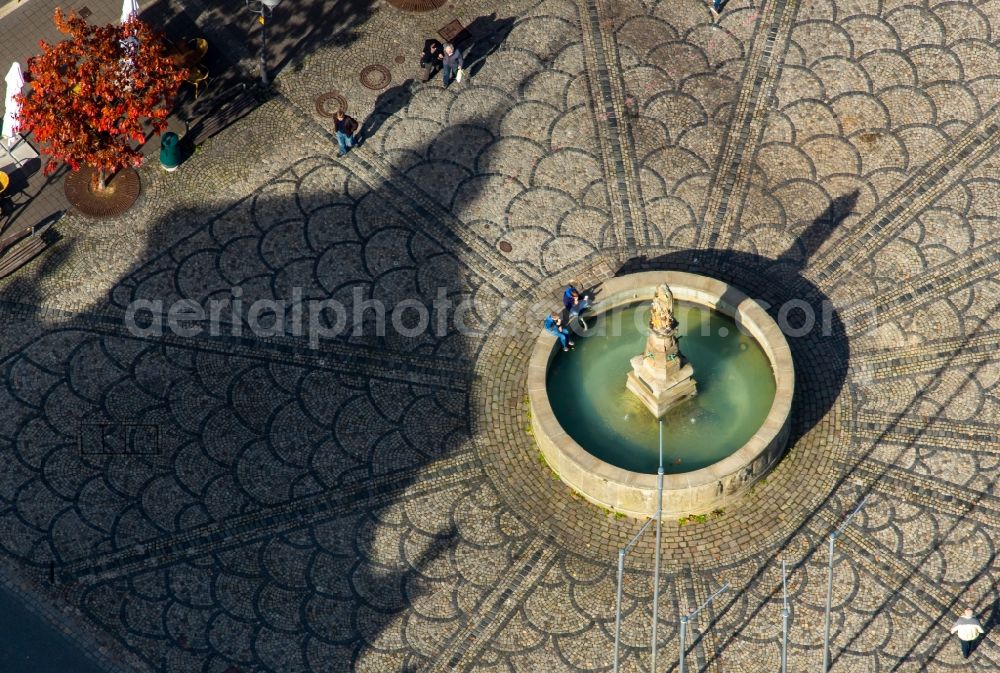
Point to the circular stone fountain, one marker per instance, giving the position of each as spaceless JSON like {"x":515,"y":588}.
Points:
{"x":722,"y":432}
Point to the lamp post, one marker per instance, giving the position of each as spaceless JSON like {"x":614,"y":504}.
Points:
{"x":829,"y":585}
{"x":656,"y":572}
{"x":263,"y":10}
{"x":656,"y":566}
{"x":687,"y":618}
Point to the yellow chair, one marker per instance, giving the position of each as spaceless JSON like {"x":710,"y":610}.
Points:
{"x":197,"y":47}
{"x":196,"y":77}
{"x":4,"y":182}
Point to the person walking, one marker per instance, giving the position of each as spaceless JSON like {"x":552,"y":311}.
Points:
{"x":968,"y":630}
{"x":451,"y":63}
{"x":576,"y":304}
{"x":716,"y":7}
{"x":431,"y":59}
{"x":554,"y":325}
{"x":346,"y":127}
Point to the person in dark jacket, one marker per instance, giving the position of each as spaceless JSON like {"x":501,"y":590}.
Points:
{"x":346,"y":127}
{"x":431,"y":59}
{"x":576,"y":304}
{"x":451,"y":63}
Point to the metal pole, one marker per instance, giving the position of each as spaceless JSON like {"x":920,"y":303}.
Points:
{"x":618,"y":605}
{"x":656,"y":565}
{"x":684,"y":626}
{"x":661,"y":442}
{"x":621,"y":578}
{"x":263,"y":49}
{"x":689,"y":615}
{"x":784,"y":619}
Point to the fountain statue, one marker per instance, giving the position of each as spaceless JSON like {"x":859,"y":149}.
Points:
{"x":660,"y":376}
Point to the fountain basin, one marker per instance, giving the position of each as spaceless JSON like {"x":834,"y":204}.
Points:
{"x":633,"y":491}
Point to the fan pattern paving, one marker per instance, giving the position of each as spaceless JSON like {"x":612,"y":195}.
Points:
{"x":373,"y":502}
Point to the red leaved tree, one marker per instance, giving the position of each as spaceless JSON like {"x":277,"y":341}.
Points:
{"x":94,"y":95}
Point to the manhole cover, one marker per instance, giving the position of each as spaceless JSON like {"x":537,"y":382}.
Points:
{"x":400,"y":59}
{"x":328,"y":103}
{"x":119,"y":195}
{"x":84,"y":12}
{"x":417,"y":5}
{"x":375,"y":76}
{"x":505,"y":246}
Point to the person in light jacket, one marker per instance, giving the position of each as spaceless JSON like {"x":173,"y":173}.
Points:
{"x":968,"y":630}
{"x":451,"y":63}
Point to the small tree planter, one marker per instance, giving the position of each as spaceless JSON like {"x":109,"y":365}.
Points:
{"x":120,"y":193}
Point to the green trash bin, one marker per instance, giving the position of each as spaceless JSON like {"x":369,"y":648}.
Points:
{"x":170,"y":151}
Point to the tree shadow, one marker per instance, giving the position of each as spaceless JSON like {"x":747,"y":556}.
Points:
{"x":294,"y":31}
{"x":359,"y":412}
{"x":221,"y":110}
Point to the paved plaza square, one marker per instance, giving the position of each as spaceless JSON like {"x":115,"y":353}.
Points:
{"x":223,"y":500}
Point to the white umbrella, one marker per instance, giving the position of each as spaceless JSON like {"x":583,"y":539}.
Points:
{"x":15,"y":81}
{"x":129,"y":9}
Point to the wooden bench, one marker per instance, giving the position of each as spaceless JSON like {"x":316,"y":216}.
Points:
{"x":24,"y":247}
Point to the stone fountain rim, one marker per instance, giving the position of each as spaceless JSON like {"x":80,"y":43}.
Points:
{"x":689,"y":287}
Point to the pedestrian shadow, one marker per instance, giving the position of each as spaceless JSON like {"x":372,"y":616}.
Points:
{"x":387,"y":104}
{"x":487,"y":34}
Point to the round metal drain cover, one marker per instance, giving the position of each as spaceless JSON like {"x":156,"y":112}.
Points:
{"x":375,"y":77}
{"x":417,"y":5}
{"x":328,"y":103}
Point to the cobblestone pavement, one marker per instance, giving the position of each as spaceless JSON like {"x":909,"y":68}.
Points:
{"x":233,"y":502}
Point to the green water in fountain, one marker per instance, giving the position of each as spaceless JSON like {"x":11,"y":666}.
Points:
{"x":587,"y":392}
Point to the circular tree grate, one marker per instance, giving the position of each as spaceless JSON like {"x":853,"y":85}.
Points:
{"x":328,"y":103}
{"x":119,"y":195}
{"x":375,"y":76}
{"x":417,"y":5}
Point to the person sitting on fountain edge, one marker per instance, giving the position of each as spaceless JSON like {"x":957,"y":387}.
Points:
{"x":554,"y":324}
{"x":575,"y":303}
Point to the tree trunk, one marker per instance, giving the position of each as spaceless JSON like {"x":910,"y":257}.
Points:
{"x":101,"y":180}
